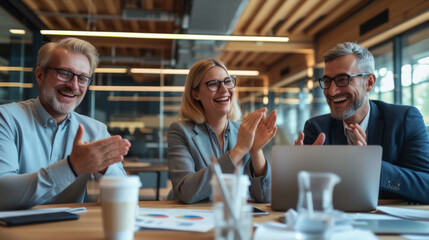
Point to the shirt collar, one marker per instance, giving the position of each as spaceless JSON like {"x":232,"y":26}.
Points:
{"x":45,"y":117}
{"x":363,"y":124}
{"x":210,"y":129}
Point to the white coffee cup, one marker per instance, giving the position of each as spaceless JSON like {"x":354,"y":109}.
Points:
{"x":119,"y":201}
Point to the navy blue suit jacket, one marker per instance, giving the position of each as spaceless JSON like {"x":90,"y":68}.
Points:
{"x":401,"y":131}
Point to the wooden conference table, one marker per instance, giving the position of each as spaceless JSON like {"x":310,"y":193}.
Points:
{"x":89,"y":226}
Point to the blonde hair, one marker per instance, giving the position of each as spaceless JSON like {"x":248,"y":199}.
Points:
{"x":191,"y":109}
{"x":72,"y":44}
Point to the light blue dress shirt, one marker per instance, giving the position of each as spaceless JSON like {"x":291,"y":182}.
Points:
{"x":33,"y":156}
{"x":217,"y":148}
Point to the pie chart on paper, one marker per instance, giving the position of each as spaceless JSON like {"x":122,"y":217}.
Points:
{"x":190,"y":217}
{"x":154,"y":215}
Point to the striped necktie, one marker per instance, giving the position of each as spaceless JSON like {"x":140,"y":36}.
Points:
{"x":351,"y":137}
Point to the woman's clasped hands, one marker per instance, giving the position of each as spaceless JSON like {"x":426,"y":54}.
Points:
{"x":255,"y":131}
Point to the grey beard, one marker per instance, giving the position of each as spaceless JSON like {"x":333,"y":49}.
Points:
{"x":353,"y":108}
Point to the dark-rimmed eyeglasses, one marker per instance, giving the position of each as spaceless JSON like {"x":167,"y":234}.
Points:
{"x":214,"y":85}
{"x":341,"y":80}
{"x":65,"y":75}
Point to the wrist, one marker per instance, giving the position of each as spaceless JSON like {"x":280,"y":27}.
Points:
{"x":254,"y":152}
{"x":237,"y":154}
{"x":71,"y":165}
{"x":259,"y":163}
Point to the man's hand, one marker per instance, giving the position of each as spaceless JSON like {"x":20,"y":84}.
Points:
{"x":319,"y":140}
{"x":359,"y":133}
{"x":97,"y":156}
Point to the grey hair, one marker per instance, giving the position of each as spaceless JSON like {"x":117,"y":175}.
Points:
{"x":74,"y":45}
{"x":365,"y":58}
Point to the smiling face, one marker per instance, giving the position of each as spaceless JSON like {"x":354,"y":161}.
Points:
{"x":57,"y":97}
{"x":350,"y":102}
{"x":217,"y":104}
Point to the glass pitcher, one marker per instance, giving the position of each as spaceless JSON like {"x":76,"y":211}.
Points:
{"x":315,"y":220}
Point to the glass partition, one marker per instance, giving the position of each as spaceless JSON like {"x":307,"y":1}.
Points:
{"x":415,"y":71}
{"x":384,"y":86}
{"x":16,"y":61}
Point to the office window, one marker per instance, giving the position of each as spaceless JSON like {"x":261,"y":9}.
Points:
{"x":142,"y":116}
{"x":384,"y":86}
{"x":415,"y":71}
{"x":288,"y":117}
{"x":294,"y":104}
{"x":16,"y":72}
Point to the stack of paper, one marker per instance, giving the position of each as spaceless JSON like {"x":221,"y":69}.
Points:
{"x":406,"y":213}
{"x":279,"y":231}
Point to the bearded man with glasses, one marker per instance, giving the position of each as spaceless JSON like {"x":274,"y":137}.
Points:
{"x":356,"y":120}
{"x":47,"y":151}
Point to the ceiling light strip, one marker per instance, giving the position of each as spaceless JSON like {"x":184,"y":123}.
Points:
{"x":244,"y":72}
{"x":186,"y":71}
{"x":110,"y":70}
{"x":17,"y":31}
{"x":136,"y":88}
{"x":139,"y":70}
{"x":159,"y":88}
{"x":143,"y":99}
{"x":16,"y":84}
{"x":164,"y":36}
{"x":159,"y":71}
{"x":15,"y":69}
{"x":30,"y":69}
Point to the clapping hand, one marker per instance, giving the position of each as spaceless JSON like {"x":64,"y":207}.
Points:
{"x":265,"y":131}
{"x":359,"y":133}
{"x":319,"y":141}
{"x":246,"y":133}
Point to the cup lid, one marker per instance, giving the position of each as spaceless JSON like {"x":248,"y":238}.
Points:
{"x":229,"y":177}
{"x":120,"y":181}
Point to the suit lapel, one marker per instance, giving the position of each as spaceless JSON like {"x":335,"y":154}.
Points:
{"x":202,"y":141}
{"x":375,"y":126}
{"x":337,"y":133}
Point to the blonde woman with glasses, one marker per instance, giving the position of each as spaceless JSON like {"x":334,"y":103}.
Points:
{"x":208,"y":126}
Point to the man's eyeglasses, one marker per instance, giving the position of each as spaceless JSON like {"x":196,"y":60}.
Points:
{"x":214,"y":85}
{"x":66,"y":76}
{"x":341,"y":80}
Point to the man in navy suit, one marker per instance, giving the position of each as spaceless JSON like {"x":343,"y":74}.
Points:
{"x":355,"y":120}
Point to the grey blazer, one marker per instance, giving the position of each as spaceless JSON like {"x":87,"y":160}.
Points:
{"x":189,"y":152}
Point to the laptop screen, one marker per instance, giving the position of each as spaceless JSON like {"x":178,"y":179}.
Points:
{"x":359,"y":168}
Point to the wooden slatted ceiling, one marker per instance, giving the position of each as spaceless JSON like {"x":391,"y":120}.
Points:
{"x":249,"y":60}
{"x":260,"y":17}
{"x":305,"y":7}
{"x":72,"y":8}
{"x":284,"y":10}
{"x":321,"y":10}
{"x":122,"y":47}
{"x":300,"y":20}
{"x":333,"y":15}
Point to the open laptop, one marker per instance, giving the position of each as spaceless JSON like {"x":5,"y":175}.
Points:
{"x":358,"y":167}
